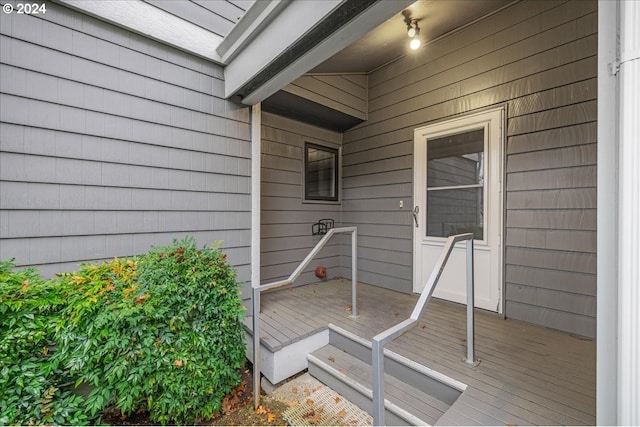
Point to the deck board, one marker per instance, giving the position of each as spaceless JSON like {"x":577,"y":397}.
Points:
{"x":527,"y":375}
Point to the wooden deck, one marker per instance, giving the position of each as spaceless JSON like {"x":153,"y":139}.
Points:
{"x":528,"y":375}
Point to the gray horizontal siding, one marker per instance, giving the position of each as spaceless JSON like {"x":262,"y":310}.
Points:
{"x":347,"y":94}
{"x":218,"y":16}
{"x":112,"y":143}
{"x":538,"y":58}
{"x":285,"y":220}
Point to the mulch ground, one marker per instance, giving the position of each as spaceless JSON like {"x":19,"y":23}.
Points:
{"x":237,"y":410}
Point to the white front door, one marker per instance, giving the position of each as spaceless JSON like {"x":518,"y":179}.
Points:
{"x":458,"y":189}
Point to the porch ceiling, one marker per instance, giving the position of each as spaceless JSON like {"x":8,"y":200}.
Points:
{"x":385,"y":43}
{"x":389,"y":41}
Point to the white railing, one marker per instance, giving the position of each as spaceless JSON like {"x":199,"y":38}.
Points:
{"x":382,"y":339}
{"x":257,"y":290}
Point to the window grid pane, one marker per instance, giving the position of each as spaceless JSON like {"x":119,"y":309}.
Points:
{"x":455,"y":185}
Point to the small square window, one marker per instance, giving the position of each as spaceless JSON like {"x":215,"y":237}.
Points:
{"x":321,"y":178}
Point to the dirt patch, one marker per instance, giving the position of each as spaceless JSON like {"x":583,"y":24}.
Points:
{"x":237,"y":409}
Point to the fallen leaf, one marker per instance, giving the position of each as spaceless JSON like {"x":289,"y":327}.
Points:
{"x":294,"y":390}
{"x":292,"y":403}
{"x":264,"y":337}
{"x":271,"y":417}
{"x":342,"y":413}
{"x":261,"y":410}
{"x":309,"y":402}
{"x":347,"y":308}
{"x":313,"y":416}
{"x":178,"y":363}
{"x":337,"y":399}
{"x":331,"y":359}
{"x":317,"y":388}
{"x":307,"y":392}
{"x":316,"y":418}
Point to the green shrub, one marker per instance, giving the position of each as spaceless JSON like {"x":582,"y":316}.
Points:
{"x":160,"y":332}
{"x":33,"y":389}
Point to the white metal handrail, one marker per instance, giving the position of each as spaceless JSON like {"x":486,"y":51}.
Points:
{"x":382,"y":339}
{"x":257,"y":290}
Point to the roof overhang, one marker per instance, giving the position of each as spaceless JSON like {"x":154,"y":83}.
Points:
{"x":274,"y":43}
{"x":298,"y":36}
{"x":147,"y":20}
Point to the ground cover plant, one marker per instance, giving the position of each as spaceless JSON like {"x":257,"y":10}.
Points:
{"x":160,"y":333}
{"x":33,"y":387}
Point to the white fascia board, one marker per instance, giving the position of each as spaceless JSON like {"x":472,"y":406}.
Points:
{"x":259,"y":15}
{"x":352,"y":31}
{"x":293,"y":22}
{"x":152,"y":22}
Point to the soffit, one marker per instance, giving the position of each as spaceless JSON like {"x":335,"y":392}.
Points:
{"x":389,"y":41}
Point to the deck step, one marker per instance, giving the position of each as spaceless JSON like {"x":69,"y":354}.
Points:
{"x":414,"y":394}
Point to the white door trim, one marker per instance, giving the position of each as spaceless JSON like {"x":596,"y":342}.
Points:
{"x":494,"y":120}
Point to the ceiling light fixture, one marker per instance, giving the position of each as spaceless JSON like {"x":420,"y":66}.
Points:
{"x":413,"y":31}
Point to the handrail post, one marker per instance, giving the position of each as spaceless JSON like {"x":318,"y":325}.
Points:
{"x":256,"y":346}
{"x":470,"y":306}
{"x":255,"y":297}
{"x":377,"y":362}
{"x":354,"y":273}
{"x":380,"y":340}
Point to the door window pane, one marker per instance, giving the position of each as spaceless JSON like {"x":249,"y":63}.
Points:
{"x":455,"y":211}
{"x":455,"y":185}
{"x":456,"y":160}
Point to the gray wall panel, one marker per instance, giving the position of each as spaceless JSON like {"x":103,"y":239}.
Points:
{"x":111,"y":143}
{"x":286,"y":221}
{"x":333,"y":91}
{"x":217,"y":16}
{"x":556,"y":319}
{"x":538,"y":58}
{"x":579,"y":262}
{"x":557,"y":300}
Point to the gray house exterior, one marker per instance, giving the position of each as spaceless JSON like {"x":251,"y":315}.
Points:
{"x":116,"y":136}
{"x":539,"y":60}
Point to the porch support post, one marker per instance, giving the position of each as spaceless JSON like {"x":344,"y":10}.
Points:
{"x":354,"y":273}
{"x":628,"y":208}
{"x":377,"y":364}
{"x":471,"y":323}
{"x":256,"y":129}
{"x":618,"y":311}
{"x":607,"y":238}
{"x":255,"y":312}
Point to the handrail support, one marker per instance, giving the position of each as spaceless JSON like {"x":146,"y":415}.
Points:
{"x":257,"y":290}
{"x":471,"y":323}
{"x":380,"y":340}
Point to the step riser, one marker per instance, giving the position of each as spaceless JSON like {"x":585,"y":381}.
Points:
{"x":355,"y":395}
{"x":352,"y":394}
{"x":414,"y":394}
{"x":425,"y":383}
